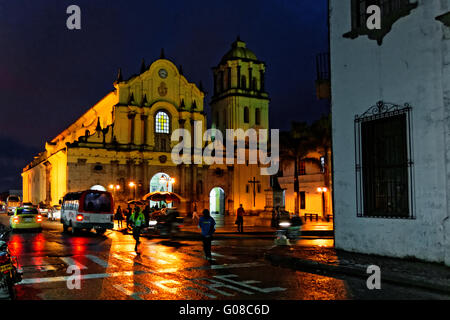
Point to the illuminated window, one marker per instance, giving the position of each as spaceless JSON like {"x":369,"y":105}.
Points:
{"x":302,"y":168}
{"x":162,"y":122}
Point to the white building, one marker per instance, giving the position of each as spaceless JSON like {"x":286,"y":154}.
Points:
{"x":392,"y":158}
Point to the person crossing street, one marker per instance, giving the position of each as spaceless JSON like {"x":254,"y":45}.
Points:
{"x":207,"y":225}
{"x":119,"y":217}
{"x":137,"y":221}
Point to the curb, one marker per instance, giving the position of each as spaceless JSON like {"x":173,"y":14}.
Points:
{"x":360,"y":272}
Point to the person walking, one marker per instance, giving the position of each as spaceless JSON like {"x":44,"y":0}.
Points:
{"x":137,"y":220}
{"x":146,"y":213}
{"x":240,"y":218}
{"x":128,"y":215}
{"x":119,"y":217}
{"x":195,"y":217}
{"x":207,"y":226}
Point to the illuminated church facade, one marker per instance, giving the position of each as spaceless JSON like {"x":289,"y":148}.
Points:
{"x":123,"y":143}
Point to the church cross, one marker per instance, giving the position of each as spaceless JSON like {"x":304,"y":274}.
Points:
{"x":254,"y":182}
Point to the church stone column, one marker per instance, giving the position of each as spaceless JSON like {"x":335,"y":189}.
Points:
{"x":131,"y":126}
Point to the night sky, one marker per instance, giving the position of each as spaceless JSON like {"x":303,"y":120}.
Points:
{"x":49,"y":75}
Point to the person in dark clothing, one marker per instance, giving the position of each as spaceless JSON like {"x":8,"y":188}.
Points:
{"x":207,"y":226}
{"x":128,"y":213}
{"x":119,"y":217}
{"x":240,"y":218}
{"x":146,"y":213}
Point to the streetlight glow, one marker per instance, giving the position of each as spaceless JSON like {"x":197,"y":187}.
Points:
{"x":132,"y":184}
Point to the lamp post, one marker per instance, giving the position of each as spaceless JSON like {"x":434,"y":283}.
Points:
{"x":114,"y":188}
{"x":322,"y":190}
{"x":133,"y":185}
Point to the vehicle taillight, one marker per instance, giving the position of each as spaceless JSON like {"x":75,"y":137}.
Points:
{"x":79,"y":217}
{"x":39,"y":218}
{"x":16,"y":219}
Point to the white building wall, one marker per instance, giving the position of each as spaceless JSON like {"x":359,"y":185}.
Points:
{"x":406,"y":68}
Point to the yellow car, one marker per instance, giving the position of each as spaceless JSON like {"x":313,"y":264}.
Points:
{"x":26,"y":218}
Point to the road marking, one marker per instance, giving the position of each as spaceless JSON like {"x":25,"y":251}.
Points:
{"x":100,"y":261}
{"x":83,"y":277}
{"x":214,"y":285}
{"x":228,"y":266}
{"x":247,"y":283}
{"x":215,"y":254}
{"x":41,"y":265}
{"x":70,"y":262}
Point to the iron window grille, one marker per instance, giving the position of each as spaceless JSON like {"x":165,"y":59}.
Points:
{"x":384,"y":163}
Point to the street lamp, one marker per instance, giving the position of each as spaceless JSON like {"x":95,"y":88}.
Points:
{"x":114,"y":188}
{"x":133,"y":185}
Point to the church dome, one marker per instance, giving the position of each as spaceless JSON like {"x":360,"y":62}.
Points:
{"x":239,"y":50}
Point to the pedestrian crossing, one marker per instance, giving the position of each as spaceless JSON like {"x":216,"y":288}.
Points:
{"x":159,"y":261}
{"x":180,"y":272}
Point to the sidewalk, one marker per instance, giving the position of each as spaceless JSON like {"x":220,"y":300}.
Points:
{"x":329,"y":261}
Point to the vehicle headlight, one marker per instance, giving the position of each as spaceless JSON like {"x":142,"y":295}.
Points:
{"x":285,"y":224}
{"x":152,"y":223}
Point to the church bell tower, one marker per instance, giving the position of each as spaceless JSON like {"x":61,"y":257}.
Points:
{"x":240,"y":100}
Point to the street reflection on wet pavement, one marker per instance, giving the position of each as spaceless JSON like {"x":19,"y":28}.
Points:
{"x":170,"y":270}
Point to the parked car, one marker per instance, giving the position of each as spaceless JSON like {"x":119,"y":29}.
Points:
{"x":54,"y":213}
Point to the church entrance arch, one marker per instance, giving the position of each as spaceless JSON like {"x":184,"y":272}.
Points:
{"x":161,"y":182}
{"x":217,"y":201}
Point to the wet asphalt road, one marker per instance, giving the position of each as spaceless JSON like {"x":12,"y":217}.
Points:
{"x":172,"y":270}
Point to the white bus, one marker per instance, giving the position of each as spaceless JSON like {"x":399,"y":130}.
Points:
{"x":90,"y":209}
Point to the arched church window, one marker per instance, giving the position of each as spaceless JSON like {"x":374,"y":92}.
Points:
{"x":257,"y":116}
{"x":162,"y":122}
{"x":246,"y":115}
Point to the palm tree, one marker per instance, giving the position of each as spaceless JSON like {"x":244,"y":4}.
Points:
{"x":321,"y":134}
{"x":295,"y":146}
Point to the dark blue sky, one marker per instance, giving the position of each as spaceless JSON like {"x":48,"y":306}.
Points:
{"x":50,"y":75}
